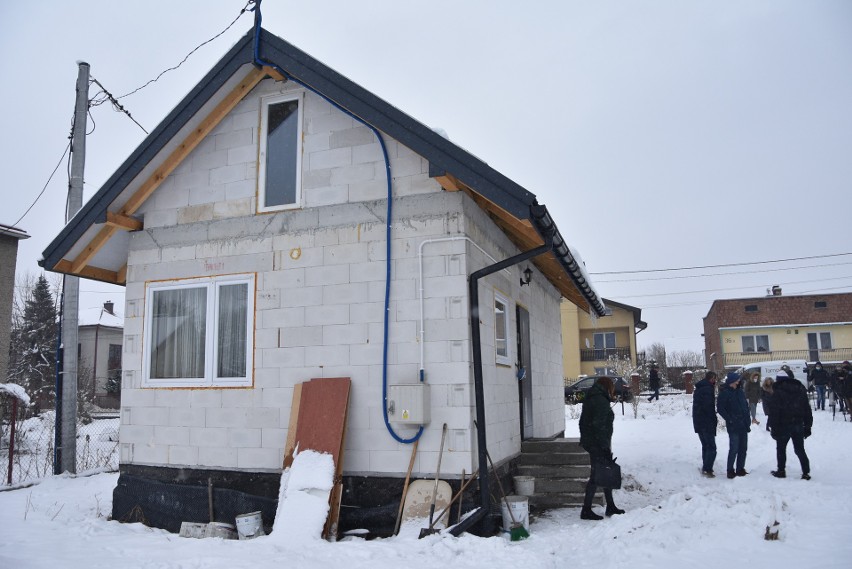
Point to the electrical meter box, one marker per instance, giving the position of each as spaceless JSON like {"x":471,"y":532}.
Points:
{"x":408,"y":404}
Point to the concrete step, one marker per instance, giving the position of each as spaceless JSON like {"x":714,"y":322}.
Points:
{"x":538,"y":471}
{"x":553,"y":458}
{"x":540,"y":503}
{"x":560,"y":485}
{"x":551,"y":445}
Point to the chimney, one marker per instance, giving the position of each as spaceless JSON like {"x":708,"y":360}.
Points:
{"x":108,"y":306}
{"x":776,"y":290}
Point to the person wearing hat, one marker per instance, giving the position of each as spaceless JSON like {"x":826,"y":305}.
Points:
{"x":733,"y":408}
{"x":654,"y":382}
{"x":790,"y":417}
{"x":704,"y":420}
{"x":819,"y":378}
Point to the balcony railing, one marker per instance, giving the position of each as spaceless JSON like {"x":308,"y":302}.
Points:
{"x":603,"y":354}
{"x":825,"y":356}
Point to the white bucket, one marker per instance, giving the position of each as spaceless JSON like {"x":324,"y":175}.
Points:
{"x":250,"y":526}
{"x":219,"y":529}
{"x":520,"y":506}
{"x":193,"y":530}
{"x":524,"y":485}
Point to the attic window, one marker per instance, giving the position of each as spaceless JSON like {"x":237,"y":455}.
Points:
{"x":751,"y":308}
{"x":280,"y":155}
{"x":820,"y":304}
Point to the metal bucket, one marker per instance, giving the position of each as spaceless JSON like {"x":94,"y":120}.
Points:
{"x":219,"y":529}
{"x":250,"y":526}
{"x":524,"y":485}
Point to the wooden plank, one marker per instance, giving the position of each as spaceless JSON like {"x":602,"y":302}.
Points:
{"x":449,"y":182}
{"x":123,"y":222}
{"x":290,"y":445}
{"x":272,"y":72}
{"x":122,"y":274}
{"x":92,"y":248}
{"x":64,"y":266}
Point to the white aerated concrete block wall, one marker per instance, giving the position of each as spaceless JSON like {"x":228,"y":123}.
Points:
{"x":319,"y":306}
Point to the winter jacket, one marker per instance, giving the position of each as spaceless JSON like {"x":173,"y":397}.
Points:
{"x":733,"y":408}
{"x":765,"y":400}
{"x":819,"y":375}
{"x":596,"y":421}
{"x":789,"y":406}
{"x":704,"y":407}
{"x":752,"y":391}
{"x":841,"y":384}
{"x":654,"y":379}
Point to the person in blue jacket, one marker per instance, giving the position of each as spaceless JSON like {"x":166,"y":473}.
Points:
{"x":704,"y":420}
{"x":733,"y":408}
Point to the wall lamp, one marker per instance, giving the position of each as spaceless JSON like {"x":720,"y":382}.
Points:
{"x":525,"y":280}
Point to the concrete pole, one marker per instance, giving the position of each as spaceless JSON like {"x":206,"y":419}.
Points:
{"x":71,"y":289}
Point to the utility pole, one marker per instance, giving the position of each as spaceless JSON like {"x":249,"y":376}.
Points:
{"x":71,"y":286}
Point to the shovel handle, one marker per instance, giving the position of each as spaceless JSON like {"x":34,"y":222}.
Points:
{"x":444,"y":511}
{"x":437,"y":474}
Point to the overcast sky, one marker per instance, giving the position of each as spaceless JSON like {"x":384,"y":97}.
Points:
{"x":659,"y":134}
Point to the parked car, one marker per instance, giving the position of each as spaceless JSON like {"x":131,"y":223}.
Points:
{"x":576,"y":392}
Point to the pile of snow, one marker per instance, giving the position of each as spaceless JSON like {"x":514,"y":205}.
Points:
{"x":16,"y":391}
{"x":675,"y":518}
{"x":303,"y":498}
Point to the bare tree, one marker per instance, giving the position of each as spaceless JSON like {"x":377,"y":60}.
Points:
{"x":686,"y":359}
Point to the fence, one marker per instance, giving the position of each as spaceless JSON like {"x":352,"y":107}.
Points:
{"x":34,"y":442}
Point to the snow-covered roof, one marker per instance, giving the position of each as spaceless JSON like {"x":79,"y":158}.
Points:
{"x":98,"y":315}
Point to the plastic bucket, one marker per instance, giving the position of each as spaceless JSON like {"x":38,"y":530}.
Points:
{"x":524,"y":485}
{"x":219,"y":529}
{"x":520,"y":508}
{"x":193,"y":530}
{"x":250,"y":526}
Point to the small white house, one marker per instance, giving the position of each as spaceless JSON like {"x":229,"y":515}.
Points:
{"x":283,"y":224}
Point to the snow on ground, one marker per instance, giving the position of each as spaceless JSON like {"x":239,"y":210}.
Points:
{"x":675,"y":518}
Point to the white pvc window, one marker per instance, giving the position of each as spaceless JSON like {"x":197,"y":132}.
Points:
{"x":280,"y":154}
{"x":501,"y":329}
{"x":756,"y":343}
{"x":198,"y":333}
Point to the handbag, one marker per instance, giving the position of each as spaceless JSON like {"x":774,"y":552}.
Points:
{"x":607,"y":473}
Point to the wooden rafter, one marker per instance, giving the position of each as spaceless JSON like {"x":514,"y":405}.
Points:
{"x":124,"y":222}
{"x":171,"y":162}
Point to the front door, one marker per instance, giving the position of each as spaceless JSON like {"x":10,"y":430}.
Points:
{"x":524,"y":373}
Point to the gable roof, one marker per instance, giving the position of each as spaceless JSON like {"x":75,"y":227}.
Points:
{"x":94,"y":243}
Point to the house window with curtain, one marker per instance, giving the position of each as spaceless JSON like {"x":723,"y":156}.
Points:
{"x":756,"y":343}
{"x":501,"y":329}
{"x":604,"y":345}
{"x":199,"y":332}
{"x":280,"y":153}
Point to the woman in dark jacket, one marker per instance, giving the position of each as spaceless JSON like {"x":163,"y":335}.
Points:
{"x":733,"y":408}
{"x":596,"y":437}
{"x":704,"y":420}
{"x":752,"y":393}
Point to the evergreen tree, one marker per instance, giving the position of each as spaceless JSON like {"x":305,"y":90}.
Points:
{"x":33,"y":346}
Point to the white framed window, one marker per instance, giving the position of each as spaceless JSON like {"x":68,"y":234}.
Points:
{"x":756,"y":343}
{"x":199,"y":332}
{"x":280,"y":153}
{"x":604,"y":345}
{"x":501,"y":329}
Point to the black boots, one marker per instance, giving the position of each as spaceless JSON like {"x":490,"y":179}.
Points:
{"x":587,"y":514}
{"x":779,"y":474}
{"x":611,"y":510}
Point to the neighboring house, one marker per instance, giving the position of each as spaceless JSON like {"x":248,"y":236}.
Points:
{"x":100,"y":339}
{"x":775,"y":327}
{"x":253,"y":233}
{"x":9,"y":237}
{"x":588,"y":342}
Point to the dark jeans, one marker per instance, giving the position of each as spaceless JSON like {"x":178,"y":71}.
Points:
{"x":820,"y":391}
{"x":737,"y":449}
{"x":591,"y":489}
{"x":782,"y":437}
{"x":655,"y":395}
{"x":708,"y":448}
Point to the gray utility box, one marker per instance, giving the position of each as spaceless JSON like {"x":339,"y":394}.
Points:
{"x":408,"y":404}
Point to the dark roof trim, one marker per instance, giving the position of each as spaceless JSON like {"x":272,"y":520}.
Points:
{"x":637,"y":313}
{"x":10,"y":231}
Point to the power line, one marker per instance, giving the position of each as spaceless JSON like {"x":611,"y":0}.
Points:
{"x":107,"y":96}
{"x":732,"y":288}
{"x":720,"y":266}
{"x":719,"y":274}
{"x":243,"y":11}
{"x":64,"y":152}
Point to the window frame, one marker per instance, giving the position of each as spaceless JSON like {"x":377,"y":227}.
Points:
{"x":265,"y":103}
{"x":212,"y":284}
{"x":756,"y":349}
{"x":506,"y":358}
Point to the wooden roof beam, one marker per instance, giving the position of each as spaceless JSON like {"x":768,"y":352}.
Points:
{"x":124,"y":222}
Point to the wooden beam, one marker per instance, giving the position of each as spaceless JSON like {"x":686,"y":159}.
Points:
{"x":122,"y":274}
{"x":123,"y":222}
{"x":272,"y":72}
{"x":64,"y":266}
{"x":449,"y":182}
{"x":92,"y":248}
{"x":192,"y":140}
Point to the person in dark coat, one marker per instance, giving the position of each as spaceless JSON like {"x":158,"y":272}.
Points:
{"x":839,"y":380}
{"x":733,"y":408}
{"x":596,"y":421}
{"x":752,"y":393}
{"x":766,"y":396}
{"x":654,"y":381}
{"x":819,"y":378}
{"x":704,"y":420}
{"x":790,"y":417}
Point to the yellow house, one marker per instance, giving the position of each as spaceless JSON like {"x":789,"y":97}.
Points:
{"x":587,"y":343}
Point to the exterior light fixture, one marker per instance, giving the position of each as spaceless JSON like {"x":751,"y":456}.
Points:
{"x":525,"y":280}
